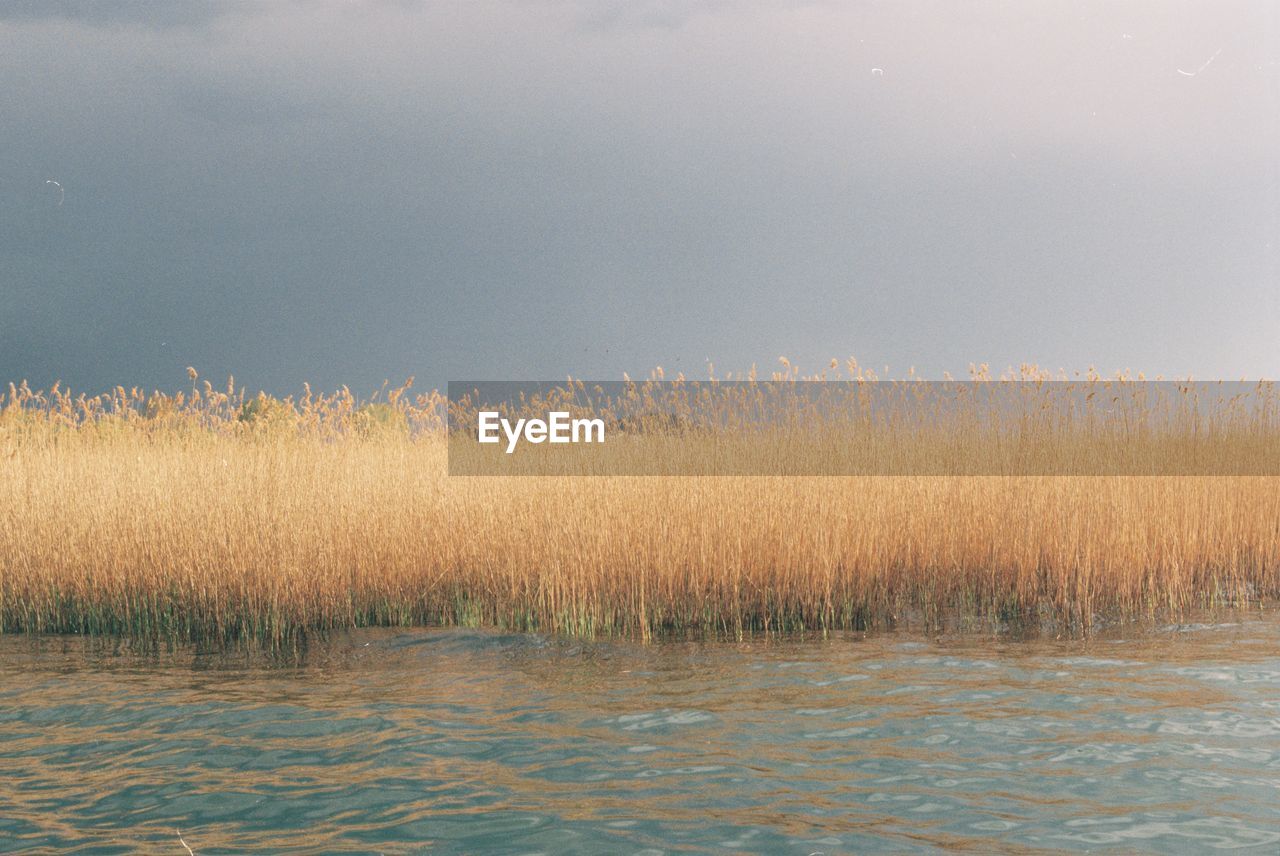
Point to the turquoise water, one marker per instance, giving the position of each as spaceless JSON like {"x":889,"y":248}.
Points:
{"x":470,"y":742}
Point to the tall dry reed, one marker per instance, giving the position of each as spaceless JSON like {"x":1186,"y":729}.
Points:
{"x":213,"y":516}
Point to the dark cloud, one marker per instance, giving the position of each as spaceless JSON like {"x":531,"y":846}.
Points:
{"x":145,"y":13}
{"x":343,"y":194}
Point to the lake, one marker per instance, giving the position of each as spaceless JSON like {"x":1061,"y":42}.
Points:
{"x":1163,"y":739}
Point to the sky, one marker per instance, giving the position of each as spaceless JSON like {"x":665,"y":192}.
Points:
{"x":346,"y":193}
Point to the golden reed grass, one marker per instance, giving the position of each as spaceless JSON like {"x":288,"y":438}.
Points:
{"x":213,"y":517}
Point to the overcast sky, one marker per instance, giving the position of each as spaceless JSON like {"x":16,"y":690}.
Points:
{"x":342,"y":193}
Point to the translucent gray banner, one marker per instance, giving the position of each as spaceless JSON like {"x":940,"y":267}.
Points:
{"x":834,"y":428}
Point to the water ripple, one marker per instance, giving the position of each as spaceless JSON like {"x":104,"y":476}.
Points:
{"x":473,"y":742}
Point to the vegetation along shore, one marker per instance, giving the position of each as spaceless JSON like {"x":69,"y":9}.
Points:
{"x":212,"y":516}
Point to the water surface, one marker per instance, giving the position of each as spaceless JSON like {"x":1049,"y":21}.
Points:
{"x":465,"y":741}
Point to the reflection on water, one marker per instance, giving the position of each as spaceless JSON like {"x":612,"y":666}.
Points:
{"x":472,"y":742}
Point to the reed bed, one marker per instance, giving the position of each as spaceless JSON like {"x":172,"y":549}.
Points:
{"x":214,"y":517}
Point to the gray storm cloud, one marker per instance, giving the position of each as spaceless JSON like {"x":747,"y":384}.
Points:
{"x":342,"y":193}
